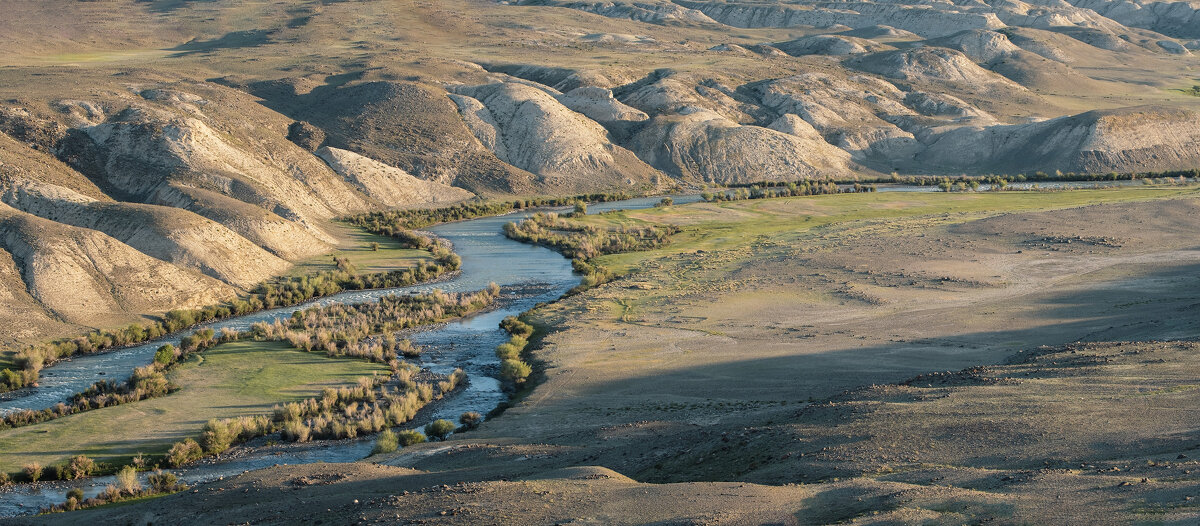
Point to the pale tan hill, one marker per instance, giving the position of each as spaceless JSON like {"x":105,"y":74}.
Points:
{"x":704,"y":146}
{"x":1146,"y":138}
{"x":529,"y":128}
{"x":410,"y":126}
{"x":85,"y":277}
{"x":176,"y":236}
{"x":390,"y":185}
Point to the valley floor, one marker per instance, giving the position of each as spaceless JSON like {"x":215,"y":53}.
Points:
{"x":778,"y":363}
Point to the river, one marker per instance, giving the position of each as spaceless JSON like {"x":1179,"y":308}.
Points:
{"x":527,"y":275}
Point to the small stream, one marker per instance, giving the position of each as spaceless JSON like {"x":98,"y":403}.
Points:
{"x":527,"y":275}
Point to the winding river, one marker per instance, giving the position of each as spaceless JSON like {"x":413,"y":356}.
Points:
{"x":526,"y":274}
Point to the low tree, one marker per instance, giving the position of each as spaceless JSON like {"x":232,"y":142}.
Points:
{"x":80,"y":467}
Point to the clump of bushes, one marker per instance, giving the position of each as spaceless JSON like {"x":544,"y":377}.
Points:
{"x":343,"y":330}
{"x":146,"y":382}
{"x":386,"y":442}
{"x":585,"y":241}
{"x":375,"y":404}
{"x":513,"y":369}
{"x":127,"y":487}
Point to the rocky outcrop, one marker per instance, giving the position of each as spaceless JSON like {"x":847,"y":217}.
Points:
{"x":1131,"y":139}
{"x":835,"y":45}
{"x":921,"y":20}
{"x":705,"y":146}
{"x":934,"y":65}
{"x":176,"y":236}
{"x":389,"y":185}
{"x":658,"y":12}
{"x":529,"y":128}
{"x":1177,"y":19}
{"x":87,"y":277}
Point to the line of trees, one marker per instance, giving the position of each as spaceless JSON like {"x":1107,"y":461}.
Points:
{"x":585,"y":241}
{"x":149,"y":381}
{"x":348,"y":330}
{"x":395,"y":223}
{"x":374,"y":404}
{"x":274,"y":293}
{"x":513,"y":367}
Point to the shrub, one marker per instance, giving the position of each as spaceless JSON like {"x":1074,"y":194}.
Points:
{"x":80,"y":467}
{"x":127,"y":480}
{"x":33,"y":471}
{"x":439,"y":429}
{"x":184,"y":452}
{"x":470,"y":419}
{"x":165,"y":355}
{"x":163,"y":481}
{"x":75,"y":493}
{"x":386,"y":442}
{"x":515,"y":371}
{"x":217,"y":436}
{"x":409,"y":437}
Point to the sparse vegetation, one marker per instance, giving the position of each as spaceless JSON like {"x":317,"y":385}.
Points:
{"x":279,"y":292}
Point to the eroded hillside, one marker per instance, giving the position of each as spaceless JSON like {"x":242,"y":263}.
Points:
{"x":218,"y":139}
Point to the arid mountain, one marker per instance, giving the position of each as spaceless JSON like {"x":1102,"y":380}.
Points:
{"x":186,"y":132}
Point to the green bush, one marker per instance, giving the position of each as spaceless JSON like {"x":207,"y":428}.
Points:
{"x":183,"y":453}
{"x":165,"y":355}
{"x":163,"y":481}
{"x":409,"y":437}
{"x":80,"y":467}
{"x":33,"y":471}
{"x":439,"y":429}
{"x":386,"y":442}
{"x":127,"y":480}
{"x":470,"y":419}
{"x":515,"y":371}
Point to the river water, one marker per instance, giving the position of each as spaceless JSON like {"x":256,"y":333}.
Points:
{"x":527,"y":275}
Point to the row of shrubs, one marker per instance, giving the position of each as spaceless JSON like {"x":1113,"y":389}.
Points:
{"x":344,"y":330}
{"x":275,"y":293}
{"x":127,"y":487}
{"x":395,"y":223}
{"x":513,"y":368}
{"x":371,"y":406}
{"x":149,"y":381}
{"x":388,"y":441}
{"x":584,"y":241}
{"x":784,"y":189}
{"x":992,"y":179}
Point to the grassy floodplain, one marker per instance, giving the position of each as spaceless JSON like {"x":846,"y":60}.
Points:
{"x":229,"y":380}
{"x":355,"y":245}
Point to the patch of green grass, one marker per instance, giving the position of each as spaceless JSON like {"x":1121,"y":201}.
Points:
{"x":355,"y":245}
{"x":233,"y":379}
{"x":726,"y":225}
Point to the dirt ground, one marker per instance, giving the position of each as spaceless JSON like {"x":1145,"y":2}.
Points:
{"x":794,"y":379}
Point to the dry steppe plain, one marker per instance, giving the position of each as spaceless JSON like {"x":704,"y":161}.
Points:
{"x":907,"y":358}
{"x":1015,"y":357}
